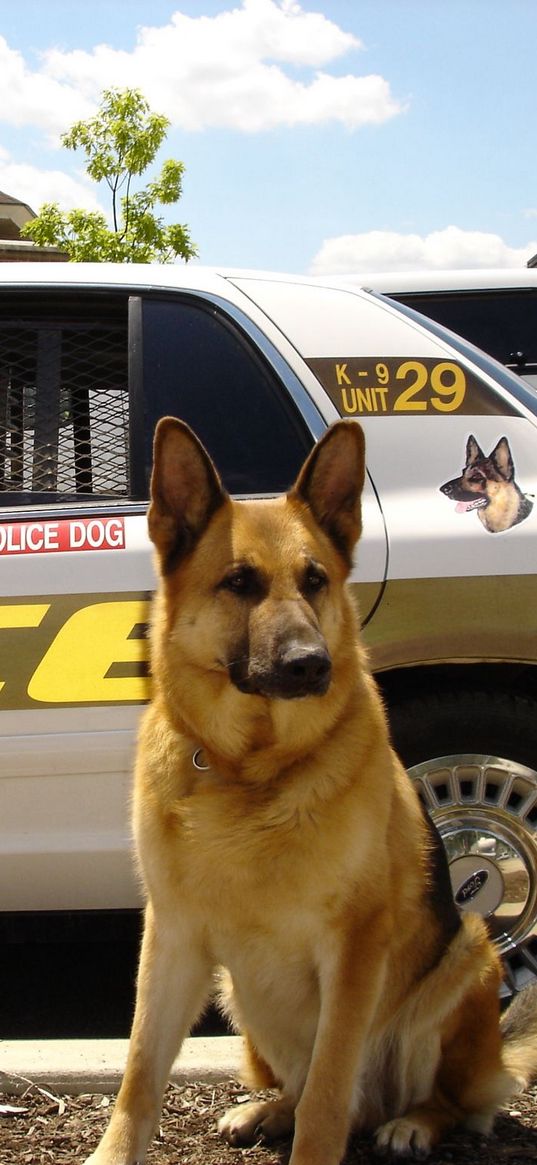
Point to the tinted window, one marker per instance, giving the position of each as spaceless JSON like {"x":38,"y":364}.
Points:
{"x":198,"y":366}
{"x":503,"y":323}
{"x":64,"y":405}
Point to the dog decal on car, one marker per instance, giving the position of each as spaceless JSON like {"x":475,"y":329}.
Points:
{"x":487,"y":484}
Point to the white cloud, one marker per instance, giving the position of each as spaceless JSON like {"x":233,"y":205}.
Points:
{"x":33,"y":98}
{"x":390,"y":251}
{"x":35,"y":186}
{"x":253,"y":67}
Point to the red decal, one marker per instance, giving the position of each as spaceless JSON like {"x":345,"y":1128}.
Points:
{"x":65,"y":536}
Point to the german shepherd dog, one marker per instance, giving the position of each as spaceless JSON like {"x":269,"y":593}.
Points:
{"x":487,"y":484}
{"x":280,"y":838}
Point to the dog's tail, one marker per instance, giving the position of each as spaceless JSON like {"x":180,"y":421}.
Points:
{"x":519,"y":1031}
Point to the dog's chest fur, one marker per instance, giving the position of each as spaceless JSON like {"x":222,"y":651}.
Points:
{"x":507,"y":507}
{"x":241,"y":851}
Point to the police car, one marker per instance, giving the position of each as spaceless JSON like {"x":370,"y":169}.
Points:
{"x":259,"y":365}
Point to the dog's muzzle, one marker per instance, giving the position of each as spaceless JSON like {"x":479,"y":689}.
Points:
{"x":297,"y":672}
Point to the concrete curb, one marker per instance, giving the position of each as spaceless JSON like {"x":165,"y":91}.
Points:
{"x":71,"y":1067}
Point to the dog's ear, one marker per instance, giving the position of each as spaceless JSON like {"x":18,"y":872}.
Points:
{"x":331,"y":482}
{"x":185,"y":490}
{"x":473,"y":452}
{"x":503,"y":462}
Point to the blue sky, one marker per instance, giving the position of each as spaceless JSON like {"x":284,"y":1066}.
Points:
{"x":317,"y":137}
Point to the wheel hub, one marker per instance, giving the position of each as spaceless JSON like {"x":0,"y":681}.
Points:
{"x":485,"y":810}
{"x":477,"y":884}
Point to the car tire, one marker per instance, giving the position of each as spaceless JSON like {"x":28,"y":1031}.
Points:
{"x":473,"y":756}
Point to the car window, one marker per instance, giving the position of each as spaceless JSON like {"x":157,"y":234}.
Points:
{"x":85,"y":376}
{"x":198,"y":365}
{"x":64,"y":399}
{"x":503,"y":323}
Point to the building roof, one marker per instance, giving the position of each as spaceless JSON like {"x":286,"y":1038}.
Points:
{"x":14,"y":214}
{"x":9,"y":200}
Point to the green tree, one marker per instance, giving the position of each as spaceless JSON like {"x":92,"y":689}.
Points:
{"x":120,"y":143}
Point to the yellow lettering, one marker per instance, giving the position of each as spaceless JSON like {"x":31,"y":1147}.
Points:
{"x":75,"y":667}
{"x":451,"y":394}
{"x":348,"y":408}
{"x":382,"y":393}
{"x":21,"y":615}
{"x":406,"y":400}
{"x":365,"y":400}
{"x":341,"y":374}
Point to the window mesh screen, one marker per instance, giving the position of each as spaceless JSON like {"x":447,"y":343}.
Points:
{"x":64,"y":404}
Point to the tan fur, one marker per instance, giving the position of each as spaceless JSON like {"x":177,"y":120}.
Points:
{"x":298,"y":858}
{"x":503,"y":506}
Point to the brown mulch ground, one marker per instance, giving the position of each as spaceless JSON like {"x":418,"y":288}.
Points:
{"x":37,"y":1128}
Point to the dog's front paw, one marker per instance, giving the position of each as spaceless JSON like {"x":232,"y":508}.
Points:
{"x":245,"y":1123}
{"x":406,"y":1137}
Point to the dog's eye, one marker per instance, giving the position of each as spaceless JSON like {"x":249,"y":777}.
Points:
{"x":314,"y":580}
{"x":243,"y":581}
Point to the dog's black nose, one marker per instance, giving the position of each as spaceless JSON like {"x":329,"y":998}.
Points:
{"x":302,"y":672}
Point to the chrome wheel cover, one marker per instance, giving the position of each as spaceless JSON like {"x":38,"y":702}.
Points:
{"x":485,"y":809}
